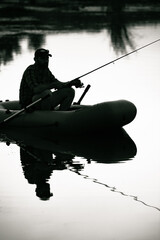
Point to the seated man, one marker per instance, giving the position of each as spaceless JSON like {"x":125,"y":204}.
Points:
{"x":37,"y":81}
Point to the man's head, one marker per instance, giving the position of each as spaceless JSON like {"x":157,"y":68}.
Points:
{"x":41,"y":57}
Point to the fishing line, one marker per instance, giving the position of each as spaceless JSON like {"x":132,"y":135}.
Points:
{"x":113,"y":61}
{"x":113,"y":189}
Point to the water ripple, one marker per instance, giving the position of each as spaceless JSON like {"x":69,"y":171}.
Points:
{"x":114,"y":189}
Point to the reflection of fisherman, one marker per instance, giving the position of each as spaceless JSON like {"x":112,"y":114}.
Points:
{"x":43,"y":191}
{"x":37,"y":81}
{"x":38,"y":166}
{"x":37,"y":170}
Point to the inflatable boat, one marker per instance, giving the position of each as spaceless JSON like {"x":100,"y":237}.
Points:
{"x":78,"y":120}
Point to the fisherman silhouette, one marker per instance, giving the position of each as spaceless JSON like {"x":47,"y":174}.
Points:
{"x":37,"y":82}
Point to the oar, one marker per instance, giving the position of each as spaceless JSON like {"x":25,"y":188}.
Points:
{"x":83,"y":94}
{"x":23,"y":110}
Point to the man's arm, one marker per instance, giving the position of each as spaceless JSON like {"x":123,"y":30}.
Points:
{"x":76,"y":83}
{"x":52,"y":84}
{"x":45,"y":86}
{"x":57,"y":85}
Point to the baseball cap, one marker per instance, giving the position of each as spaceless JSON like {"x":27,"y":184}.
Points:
{"x":42,"y":52}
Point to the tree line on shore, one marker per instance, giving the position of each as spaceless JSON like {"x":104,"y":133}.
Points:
{"x":82,"y":2}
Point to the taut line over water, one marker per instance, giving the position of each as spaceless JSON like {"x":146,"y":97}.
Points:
{"x":113,"y":61}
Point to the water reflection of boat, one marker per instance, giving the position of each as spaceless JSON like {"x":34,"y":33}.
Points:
{"x":78,"y":121}
{"x":41,"y":154}
{"x":112,"y":147}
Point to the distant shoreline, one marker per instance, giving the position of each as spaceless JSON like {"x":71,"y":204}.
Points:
{"x":19,"y":18}
{"x":150,"y":7}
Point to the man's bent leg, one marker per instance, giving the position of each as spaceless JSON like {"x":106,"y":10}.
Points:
{"x":45,"y":104}
{"x":64,"y":97}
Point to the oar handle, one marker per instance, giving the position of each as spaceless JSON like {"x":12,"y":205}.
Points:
{"x":84,"y":93}
{"x":24,"y":109}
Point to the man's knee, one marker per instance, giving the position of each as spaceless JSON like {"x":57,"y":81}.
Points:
{"x":68,"y":92}
{"x":72,"y":92}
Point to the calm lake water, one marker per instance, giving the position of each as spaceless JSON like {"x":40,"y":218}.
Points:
{"x":96,"y":193}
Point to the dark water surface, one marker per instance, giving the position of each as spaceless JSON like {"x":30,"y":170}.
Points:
{"x":94,"y":188}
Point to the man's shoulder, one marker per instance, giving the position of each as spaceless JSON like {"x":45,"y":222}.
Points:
{"x":30,"y":67}
{"x":29,"y":71}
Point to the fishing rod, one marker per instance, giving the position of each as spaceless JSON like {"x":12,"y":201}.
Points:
{"x":113,"y":61}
